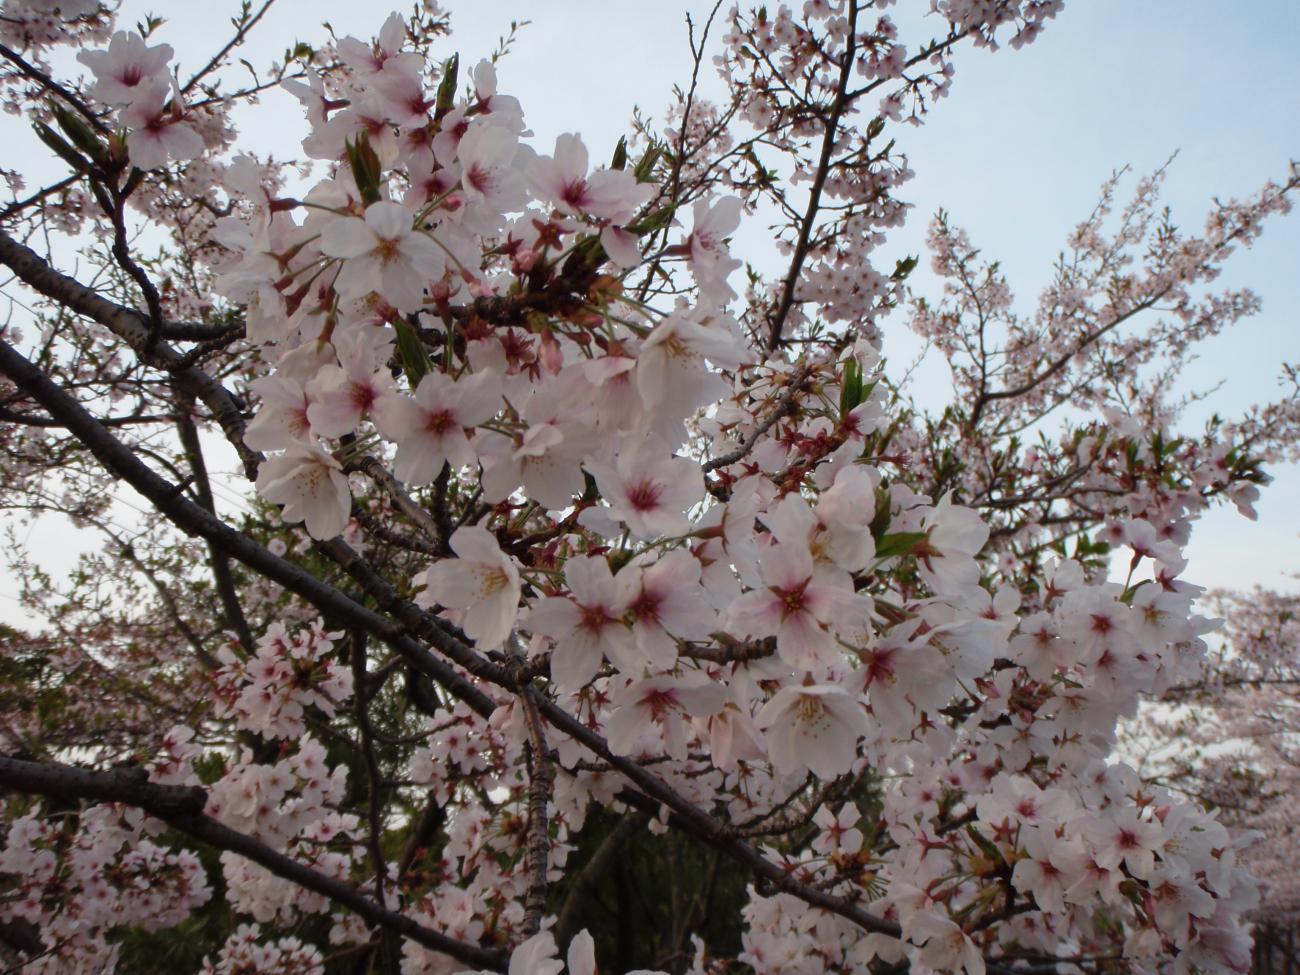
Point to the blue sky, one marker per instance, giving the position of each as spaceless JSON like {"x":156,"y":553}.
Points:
{"x":1016,"y":154}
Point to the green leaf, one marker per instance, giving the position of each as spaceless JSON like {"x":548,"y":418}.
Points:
{"x":986,"y":846}
{"x":645,"y":166}
{"x":447,"y":87}
{"x":899,"y":543}
{"x":414,"y":356}
{"x":365,"y":168}
{"x":620,"y":154}
{"x":850,"y":386}
{"x":903,"y":268}
{"x":75,"y":128}
{"x":61,"y":148}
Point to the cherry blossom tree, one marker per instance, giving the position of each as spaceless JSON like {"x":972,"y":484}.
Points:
{"x":575,"y":561}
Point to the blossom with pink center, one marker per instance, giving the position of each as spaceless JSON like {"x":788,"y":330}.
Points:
{"x":664,"y":701}
{"x":814,"y":727}
{"x":311,"y":486}
{"x":666,"y":603}
{"x":837,"y":532}
{"x":1122,"y":835}
{"x":489,"y":175}
{"x":429,"y":428}
{"x":706,"y":249}
{"x":797,"y":608}
{"x":839,"y":831}
{"x":157,"y":132}
{"x":545,"y":461}
{"x":648,"y":489}
{"x":383,"y":253}
{"x":281,"y":419}
{"x":587,"y":626}
{"x":1047,"y":867}
{"x":563,"y":182}
{"x":482,"y":581}
{"x":384,"y":56}
{"x":127,"y":69}
{"x":342,"y":395}
{"x":1014,"y":801}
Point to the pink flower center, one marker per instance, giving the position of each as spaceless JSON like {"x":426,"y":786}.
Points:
{"x":645,"y":495}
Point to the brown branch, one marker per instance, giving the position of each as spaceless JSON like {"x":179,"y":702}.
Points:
{"x":840,"y":103}
{"x":130,"y":326}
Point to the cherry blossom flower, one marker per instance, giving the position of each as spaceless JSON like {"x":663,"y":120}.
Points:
{"x":157,"y":132}
{"x":429,"y":428}
{"x":648,"y":489}
{"x":311,"y":486}
{"x":839,"y":831}
{"x":562,"y":180}
{"x":128,"y":69}
{"x":340,"y":396}
{"x":814,"y":727}
{"x":797,"y":608}
{"x":706,"y":250}
{"x":482,"y":581}
{"x":587,"y":626}
{"x":662,"y":701}
{"x":383,"y":253}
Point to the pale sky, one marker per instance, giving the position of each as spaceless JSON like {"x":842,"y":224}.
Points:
{"x":1016,"y":155}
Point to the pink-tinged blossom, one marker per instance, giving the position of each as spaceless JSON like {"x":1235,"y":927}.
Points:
{"x":311,"y":486}
{"x":956,"y":535}
{"x":1123,"y":835}
{"x":158,"y":133}
{"x":648,"y":489}
{"x":342,"y":395}
{"x":429,"y":428}
{"x":384,"y":254}
{"x":545,"y":460}
{"x":671,"y":371}
{"x":1047,"y":868}
{"x":706,"y":248}
{"x":837,"y":532}
{"x":839,"y":832}
{"x":281,"y":419}
{"x":482,"y":581}
{"x":733,"y":736}
{"x":666,"y":603}
{"x":664,"y":701}
{"x":813,"y":727}
{"x":944,"y":947}
{"x":373,"y":61}
{"x":562,"y":181}
{"x":489,"y":176}
{"x":127,"y":69}
{"x":290,"y":671}
{"x":620,"y":246}
{"x":800,"y":610}
{"x":587,"y":626}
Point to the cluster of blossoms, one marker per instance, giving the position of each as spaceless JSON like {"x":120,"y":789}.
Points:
{"x":652,"y":552}
{"x":290,"y":671}
{"x":245,"y":954}
{"x":102,"y":872}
